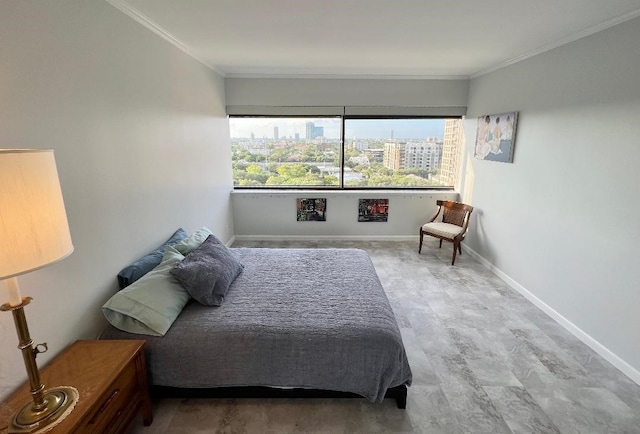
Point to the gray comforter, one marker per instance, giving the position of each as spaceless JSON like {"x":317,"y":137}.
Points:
{"x":305,"y":318}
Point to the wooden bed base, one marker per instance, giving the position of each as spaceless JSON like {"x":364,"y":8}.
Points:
{"x":399,"y":393}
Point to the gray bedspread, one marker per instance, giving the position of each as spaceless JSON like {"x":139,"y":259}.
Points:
{"x":304,"y":318}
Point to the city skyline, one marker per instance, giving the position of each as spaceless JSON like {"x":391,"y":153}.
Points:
{"x":365,"y":129}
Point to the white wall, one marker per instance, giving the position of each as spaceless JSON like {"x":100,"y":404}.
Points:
{"x":272,"y":215}
{"x":142,"y":145}
{"x":562,"y":220}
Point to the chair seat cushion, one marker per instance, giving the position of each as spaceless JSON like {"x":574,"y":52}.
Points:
{"x":446,"y":230}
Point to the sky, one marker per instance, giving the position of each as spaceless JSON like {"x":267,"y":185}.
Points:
{"x":355,"y":128}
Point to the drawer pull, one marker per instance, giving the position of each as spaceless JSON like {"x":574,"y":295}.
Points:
{"x":113,"y":421}
{"x":104,"y":406}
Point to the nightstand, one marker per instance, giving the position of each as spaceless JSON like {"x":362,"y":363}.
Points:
{"x":111,"y":378}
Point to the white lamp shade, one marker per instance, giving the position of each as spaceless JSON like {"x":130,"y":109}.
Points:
{"x":33,"y":223}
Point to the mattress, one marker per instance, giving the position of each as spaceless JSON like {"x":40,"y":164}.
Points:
{"x":294,"y":318}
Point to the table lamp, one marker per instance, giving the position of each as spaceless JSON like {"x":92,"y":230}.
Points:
{"x":34,"y":233}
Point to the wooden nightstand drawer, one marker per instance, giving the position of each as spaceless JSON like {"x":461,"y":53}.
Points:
{"x":114,"y":402}
{"x":111,"y":379}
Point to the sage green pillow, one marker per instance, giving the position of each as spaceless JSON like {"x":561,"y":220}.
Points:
{"x":150,"y":305}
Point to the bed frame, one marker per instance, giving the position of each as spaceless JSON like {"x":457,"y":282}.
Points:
{"x":399,"y":393}
{"x":348,"y":339}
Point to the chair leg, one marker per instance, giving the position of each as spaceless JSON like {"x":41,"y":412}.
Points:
{"x":421,"y":236}
{"x":440,"y":242}
{"x":460,"y":248}
{"x":455,"y":250}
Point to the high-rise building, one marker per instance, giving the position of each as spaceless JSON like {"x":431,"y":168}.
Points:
{"x":276,"y":136}
{"x":420,"y":155}
{"x":360,"y":145}
{"x":313,"y":131}
{"x":393,"y":155}
{"x":423,"y":155}
{"x":375,"y":155}
{"x":451,"y":152}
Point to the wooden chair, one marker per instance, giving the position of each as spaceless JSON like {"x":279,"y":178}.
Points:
{"x":453,"y":228}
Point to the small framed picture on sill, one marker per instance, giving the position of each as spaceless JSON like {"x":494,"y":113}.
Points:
{"x":311,"y":210}
{"x":373,"y":210}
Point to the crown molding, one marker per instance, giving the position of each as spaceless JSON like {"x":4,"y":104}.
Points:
{"x":138,"y":16}
{"x":564,"y":41}
{"x":124,"y":7}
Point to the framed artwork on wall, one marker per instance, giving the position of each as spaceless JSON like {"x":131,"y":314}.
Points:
{"x":373,"y":210}
{"x":311,"y":210}
{"x":495,"y":137}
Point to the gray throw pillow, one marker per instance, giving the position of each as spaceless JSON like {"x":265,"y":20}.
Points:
{"x":207,"y":272}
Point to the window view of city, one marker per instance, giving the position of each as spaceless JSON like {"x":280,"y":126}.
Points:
{"x":378,"y":153}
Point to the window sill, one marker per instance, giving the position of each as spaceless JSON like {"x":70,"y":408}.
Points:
{"x":332,"y":192}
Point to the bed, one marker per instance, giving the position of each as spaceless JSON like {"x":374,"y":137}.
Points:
{"x":300,"y":322}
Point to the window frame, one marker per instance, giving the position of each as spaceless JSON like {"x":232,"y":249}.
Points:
{"x":343,"y":118}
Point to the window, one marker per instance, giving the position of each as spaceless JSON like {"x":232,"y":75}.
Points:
{"x":308,"y":152}
{"x":285,"y":151}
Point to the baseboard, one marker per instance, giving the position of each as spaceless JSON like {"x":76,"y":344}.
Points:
{"x":596,"y":346}
{"x":326,"y":237}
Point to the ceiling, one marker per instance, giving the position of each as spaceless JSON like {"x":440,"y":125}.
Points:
{"x":372,"y":38}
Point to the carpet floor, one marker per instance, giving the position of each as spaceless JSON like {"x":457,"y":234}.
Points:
{"x":484,"y":360}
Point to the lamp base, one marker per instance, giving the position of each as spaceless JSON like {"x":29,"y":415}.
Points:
{"x":58,"y":403}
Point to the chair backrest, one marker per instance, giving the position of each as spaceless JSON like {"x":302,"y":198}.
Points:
{"x":455,"y":213}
